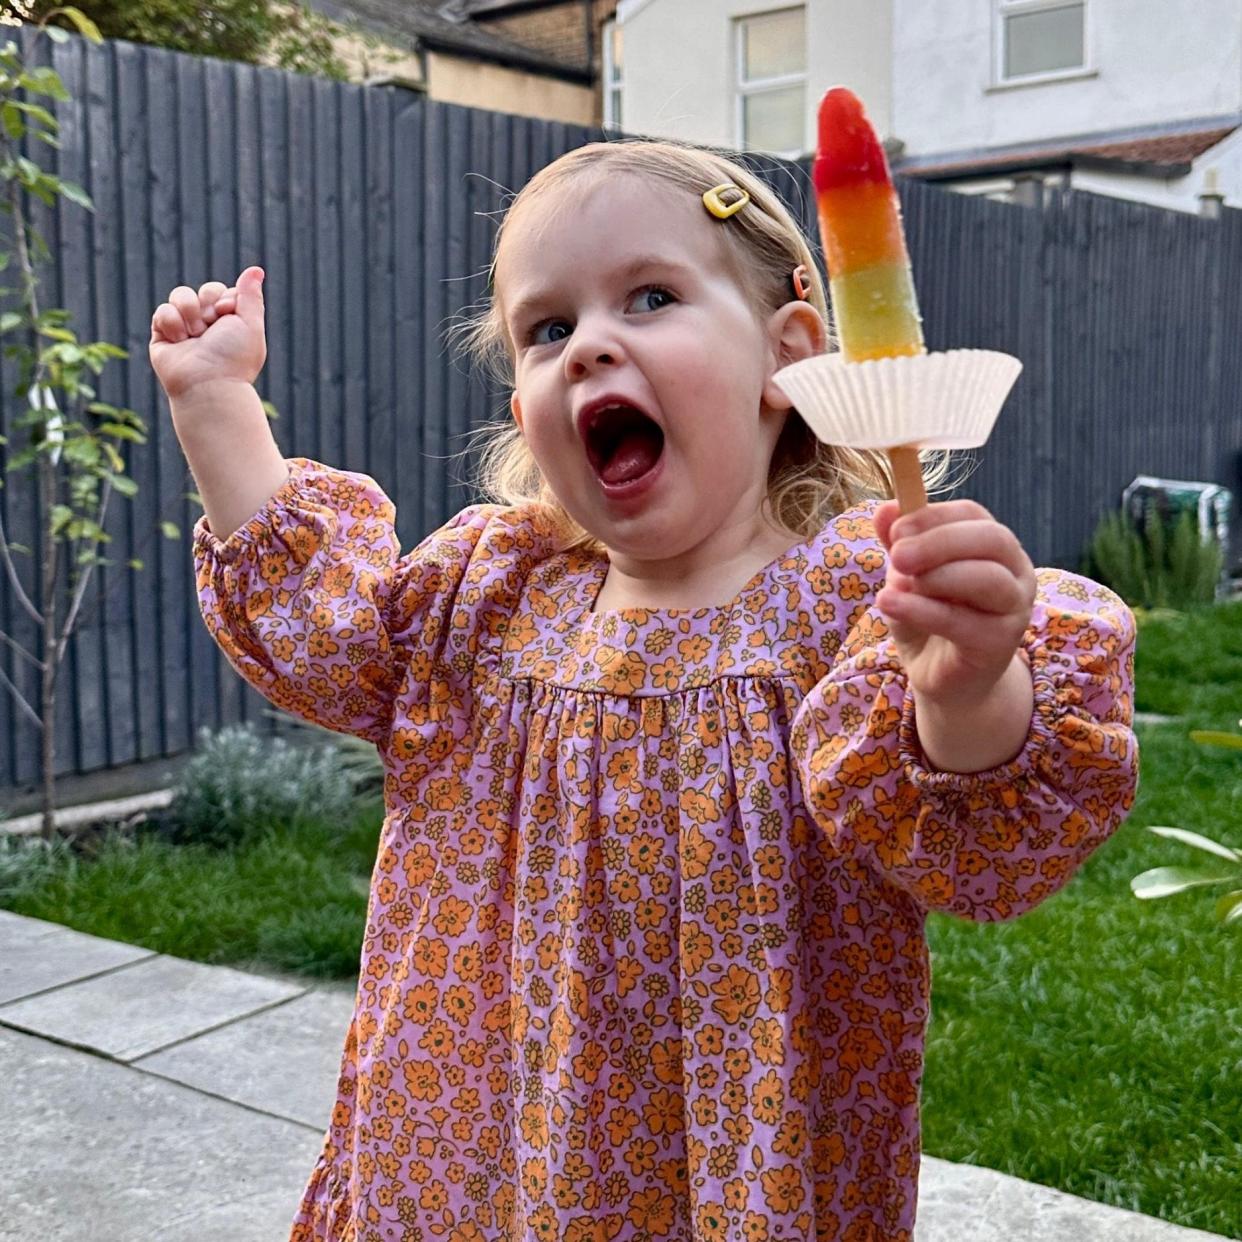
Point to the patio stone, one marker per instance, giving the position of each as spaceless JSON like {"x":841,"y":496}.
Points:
{"x":145,"y":1006}
{"x":959,"y":1202}
{"x":102,"y":1152}
{"x":283,"y":1061}
{"x":36,"y":956}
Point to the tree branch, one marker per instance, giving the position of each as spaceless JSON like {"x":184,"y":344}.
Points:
{"x":17,"y":586}
{"x":21,"y":651}
{"x":21,"y":702}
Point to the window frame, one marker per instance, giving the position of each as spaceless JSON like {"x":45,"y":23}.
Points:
{"x":743,"y":89}
{"x":1003,"y":9}
{"x":611,"y":117}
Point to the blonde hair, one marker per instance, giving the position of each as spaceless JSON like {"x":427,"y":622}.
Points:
{"x":808,"y":481}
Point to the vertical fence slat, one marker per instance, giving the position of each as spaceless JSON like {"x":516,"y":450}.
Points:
{"x":410,"y":193}
{"x":126,"y":520}
{"x":325,"y":309}
{"x":377,"y":416}
{"x":353,"y":413}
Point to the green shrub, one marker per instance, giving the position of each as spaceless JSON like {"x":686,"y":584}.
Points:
{"x":26,"y":862}
{"x":1161,"y":566}
{"x":239,"y":784}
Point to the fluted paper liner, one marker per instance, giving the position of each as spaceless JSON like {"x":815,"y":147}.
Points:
{"x":946,"y":400}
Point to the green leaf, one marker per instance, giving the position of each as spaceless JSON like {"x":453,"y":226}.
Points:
{"x":1212,"y":737}
{"x":41,"y":114}
{"x":45,"y":81}
{"x":1163,"y":881}
{"x":14,"y":126}
{"x":62,"y":518}
{"x":10,"y":320}
{"x":58,"y":334}
{"x":76,"y":194}
{"x":127,"y":487}
{"x":122,"y":433}
{"x":171,"y":530}
{"x":1229,"y":907}
{"x":1199,"y":842}
{"x":86,"y":27}
{"x":135,"y":564}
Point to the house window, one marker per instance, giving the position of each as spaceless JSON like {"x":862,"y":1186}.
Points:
{"x":612,"y":75}
{"x":771,"y":82}
{"x":1039,"y":38}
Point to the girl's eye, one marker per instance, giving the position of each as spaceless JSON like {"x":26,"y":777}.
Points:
{"x":653,"y":297}
{"x":549,"y":332}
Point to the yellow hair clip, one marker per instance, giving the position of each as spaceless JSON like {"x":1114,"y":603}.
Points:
{"x":714,"y":200}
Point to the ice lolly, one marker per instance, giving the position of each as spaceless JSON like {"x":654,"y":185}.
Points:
{"x":873,"y":300}
{"x":883,"y":390}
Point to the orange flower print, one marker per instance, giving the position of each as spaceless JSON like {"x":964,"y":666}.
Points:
{"x":653,"y":1211}
{"x":696,"y":852}
{"x":422,"y":1080}
{"x":782,"y":1188}
{"x":712,"y":1222}
{"x":767,"y":1098}
{"x":737,"y":994}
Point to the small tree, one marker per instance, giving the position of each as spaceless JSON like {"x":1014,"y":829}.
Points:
{"x":284,"y":33}
{"x":71,"y":440}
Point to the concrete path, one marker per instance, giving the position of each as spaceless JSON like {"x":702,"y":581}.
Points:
{"x":150,"y":1099}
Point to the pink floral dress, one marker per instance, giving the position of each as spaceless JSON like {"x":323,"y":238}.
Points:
{"x":644,"y":955}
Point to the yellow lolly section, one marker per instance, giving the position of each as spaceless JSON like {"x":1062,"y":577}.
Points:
{"x":876,"y":312}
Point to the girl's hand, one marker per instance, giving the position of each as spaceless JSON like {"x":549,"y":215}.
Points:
{"x":214,"y":334}
{"x":957,"y":600}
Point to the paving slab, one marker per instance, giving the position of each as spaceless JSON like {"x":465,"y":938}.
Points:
{"x":962,"y":1203}
{"x":284,"y":1061}
{"x":145,"y":1006}
{"x":36,"y":956}
{"x":101,"y":1152}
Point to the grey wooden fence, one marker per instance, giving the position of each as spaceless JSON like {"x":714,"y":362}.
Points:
{"x":373,"y":210}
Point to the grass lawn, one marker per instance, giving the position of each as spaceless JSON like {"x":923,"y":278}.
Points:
{"x":292,"y":902}
{"x":1094,"y":1045}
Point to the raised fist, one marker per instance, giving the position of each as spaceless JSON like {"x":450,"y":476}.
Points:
{"x":212,"y":335}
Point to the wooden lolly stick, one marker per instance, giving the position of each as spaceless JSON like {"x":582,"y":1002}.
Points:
{"x":908,"y":478}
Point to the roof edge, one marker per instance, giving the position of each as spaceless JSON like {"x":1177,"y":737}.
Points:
{"x":515,"y":60}
{"x":1030,"y":153}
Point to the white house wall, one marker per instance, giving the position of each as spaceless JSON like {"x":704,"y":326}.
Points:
{"x":1152,"y":62}
{"x":680,"y":63}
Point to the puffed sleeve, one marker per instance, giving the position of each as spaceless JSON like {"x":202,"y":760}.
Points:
{"x":313,"y":604}
{"x":984,"y":846}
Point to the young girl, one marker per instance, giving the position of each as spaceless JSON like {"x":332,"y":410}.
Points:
{"x":682,"y":741}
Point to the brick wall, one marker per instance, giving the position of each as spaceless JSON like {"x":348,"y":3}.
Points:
{"x":557,"y":30}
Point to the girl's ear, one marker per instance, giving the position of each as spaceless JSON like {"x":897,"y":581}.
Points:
{"x":796,"y":331}
{"x":516,"y":407}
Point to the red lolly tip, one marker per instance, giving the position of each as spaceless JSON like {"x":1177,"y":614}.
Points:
{"x":849,"y":151}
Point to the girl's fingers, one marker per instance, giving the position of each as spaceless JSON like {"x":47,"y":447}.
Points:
{"x":185,"y":300}
{"x":972,"y":539}
{"x":209,"y":300}
{"x":984,"y":585}
{"x":225,"y":304}
{"x":168,"y":325}
{"x":938,"y":514}
{"x":966,"y":628}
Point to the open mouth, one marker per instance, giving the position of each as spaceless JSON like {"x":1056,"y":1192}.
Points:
{"x":622,"y":443}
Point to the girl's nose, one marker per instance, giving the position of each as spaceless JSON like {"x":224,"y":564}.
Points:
{"x":593,"y":344}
